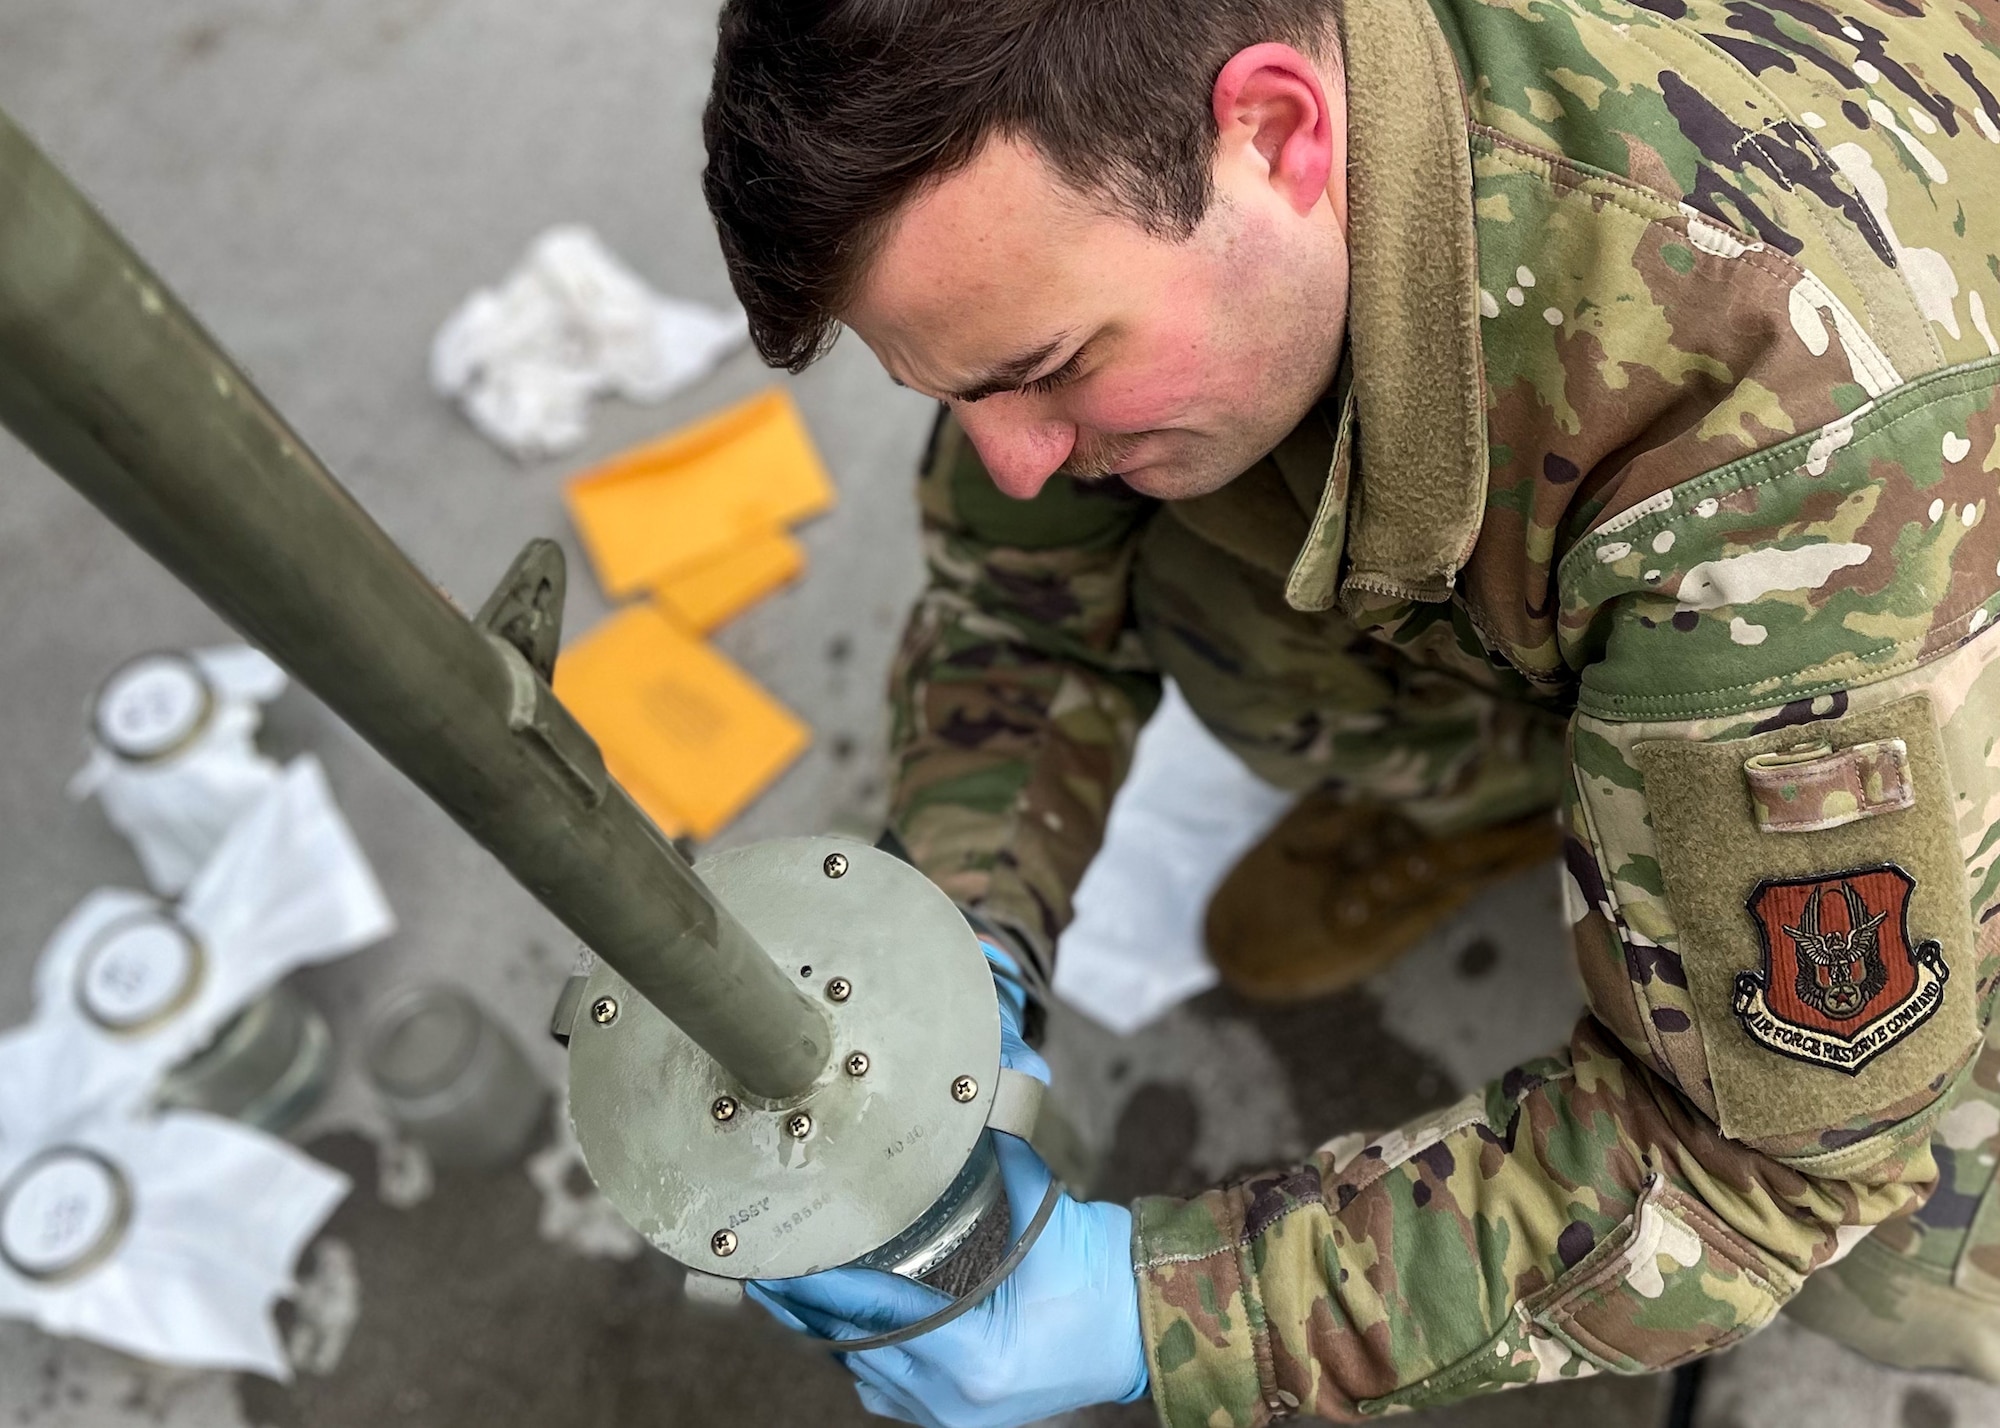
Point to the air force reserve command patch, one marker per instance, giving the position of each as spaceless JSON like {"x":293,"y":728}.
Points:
{"x":1841,"y":981}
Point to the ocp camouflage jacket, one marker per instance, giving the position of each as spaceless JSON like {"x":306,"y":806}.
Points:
{"x":1673,"y":411}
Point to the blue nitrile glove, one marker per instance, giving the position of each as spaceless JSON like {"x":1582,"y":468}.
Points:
{"x":1061,"y":1332}
{"x":1015,"y":1053}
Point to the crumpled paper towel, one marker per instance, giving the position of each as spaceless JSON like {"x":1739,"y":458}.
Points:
{"x":1186,"y":813}
{"x":175,"y":811}
{"x":288,"y":886}
{"x":571,"y":322}
{"x":214,"y":1215}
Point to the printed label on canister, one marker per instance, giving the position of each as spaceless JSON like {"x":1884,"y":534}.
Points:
{"x":152,"y":706}
{"x":63,"y":1214}
{"x":142,"y":970}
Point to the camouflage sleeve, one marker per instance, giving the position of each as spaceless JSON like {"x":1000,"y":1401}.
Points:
{"x":1783,"y":812}
{"x":1018,"y":692}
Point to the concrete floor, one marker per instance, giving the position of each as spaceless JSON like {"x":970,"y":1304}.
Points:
{"x":322,"y":183}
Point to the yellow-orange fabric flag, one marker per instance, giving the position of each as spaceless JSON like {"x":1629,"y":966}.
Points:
{"x":697,"y":493}
{"x":703,"y":595}
{"x":692,"y":737}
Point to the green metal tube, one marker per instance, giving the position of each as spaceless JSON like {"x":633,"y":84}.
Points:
{"x":109,"y":379}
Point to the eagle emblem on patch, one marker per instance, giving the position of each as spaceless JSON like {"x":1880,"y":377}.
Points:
{"x":1841,"y":982}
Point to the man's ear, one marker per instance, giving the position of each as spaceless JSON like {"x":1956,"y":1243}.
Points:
{"x":1272,"y":109}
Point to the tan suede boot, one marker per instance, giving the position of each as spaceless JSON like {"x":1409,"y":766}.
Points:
{"x":1336,"y":892}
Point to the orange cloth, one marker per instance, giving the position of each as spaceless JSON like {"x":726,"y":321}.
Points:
{"x":747,"y":470}
{"x":689,"y":735}
{"x":703,"y":595}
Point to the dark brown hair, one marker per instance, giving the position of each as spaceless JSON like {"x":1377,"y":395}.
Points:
{"x":826,"y":115}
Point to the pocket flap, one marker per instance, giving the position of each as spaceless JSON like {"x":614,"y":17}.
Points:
{"x":1671,"y":1283}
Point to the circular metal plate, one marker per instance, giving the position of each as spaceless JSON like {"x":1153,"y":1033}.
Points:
{"x":63,"y":1214}
{"x":153,"y":706}
{"x":883,"y":1146}
{"x":138,"y":972}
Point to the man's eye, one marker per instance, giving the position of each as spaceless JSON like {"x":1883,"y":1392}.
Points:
{"x":1066,"y":373}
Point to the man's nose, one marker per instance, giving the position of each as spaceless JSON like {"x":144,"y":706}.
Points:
{"x":1020,"y":450}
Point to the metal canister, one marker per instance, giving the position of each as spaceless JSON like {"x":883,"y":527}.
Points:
{"x":153,"y":707}
{"x":453,"y":1079}
{"x":267,"y":1067}
{"x":62,"y":1214}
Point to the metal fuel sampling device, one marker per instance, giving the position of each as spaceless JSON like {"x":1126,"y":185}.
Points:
{"x":788,"y":1062}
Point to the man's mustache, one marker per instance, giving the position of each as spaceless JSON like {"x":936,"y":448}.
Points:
{"x":1099,"y":457}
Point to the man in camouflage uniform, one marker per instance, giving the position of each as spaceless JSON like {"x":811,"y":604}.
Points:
{"x":1670,"y":409}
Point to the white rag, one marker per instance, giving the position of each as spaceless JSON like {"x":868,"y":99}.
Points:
{"x":219,"y":1214}
{"x":572,"y":322}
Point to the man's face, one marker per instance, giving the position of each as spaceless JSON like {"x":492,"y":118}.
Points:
{"x":1071,"y":341}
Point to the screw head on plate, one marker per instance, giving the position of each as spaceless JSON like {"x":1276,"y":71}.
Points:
{"x":835,"y":865}
{"x":723,"y":1242}
{"x":724,"y":1108}
{"x":799,"y":1126}
{"x":839,"y":989}
{"x":604,"y":1011}
{"x":964,"y":1089}
{"x":857,"y":1064}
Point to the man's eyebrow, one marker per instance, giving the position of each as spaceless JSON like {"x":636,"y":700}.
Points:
{"x":1011,"y":374}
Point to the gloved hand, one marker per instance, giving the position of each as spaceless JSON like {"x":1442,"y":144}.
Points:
{"x":1015,"y":1053}
{"x":1061,"y":1332}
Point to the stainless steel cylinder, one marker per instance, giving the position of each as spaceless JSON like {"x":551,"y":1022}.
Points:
{"x":268,"y":1066}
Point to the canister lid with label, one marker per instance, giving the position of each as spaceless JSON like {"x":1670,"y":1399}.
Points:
{"x":153,"y":706}
{"x":138,"y":972}
{"x":63,"y":1214}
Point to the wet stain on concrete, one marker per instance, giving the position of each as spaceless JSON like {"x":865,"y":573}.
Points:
{"x":1156,"y":1134}
{"x":1477,"y":958}
{"x":200,"y":41}
{"x":1346,"y":1072}
{"x":1924,"y":1409}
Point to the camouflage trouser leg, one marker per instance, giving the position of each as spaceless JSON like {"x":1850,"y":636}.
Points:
{"x":1308,"y":701}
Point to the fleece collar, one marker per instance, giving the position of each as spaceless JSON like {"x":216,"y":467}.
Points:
{"x":1413,"y":426}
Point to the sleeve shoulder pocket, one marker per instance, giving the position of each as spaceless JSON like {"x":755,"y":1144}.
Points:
{"x":1815,"y":877}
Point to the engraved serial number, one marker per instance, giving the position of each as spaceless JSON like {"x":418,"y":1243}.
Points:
{"x":800,"y":1216}
{"x":903,"y":1142}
